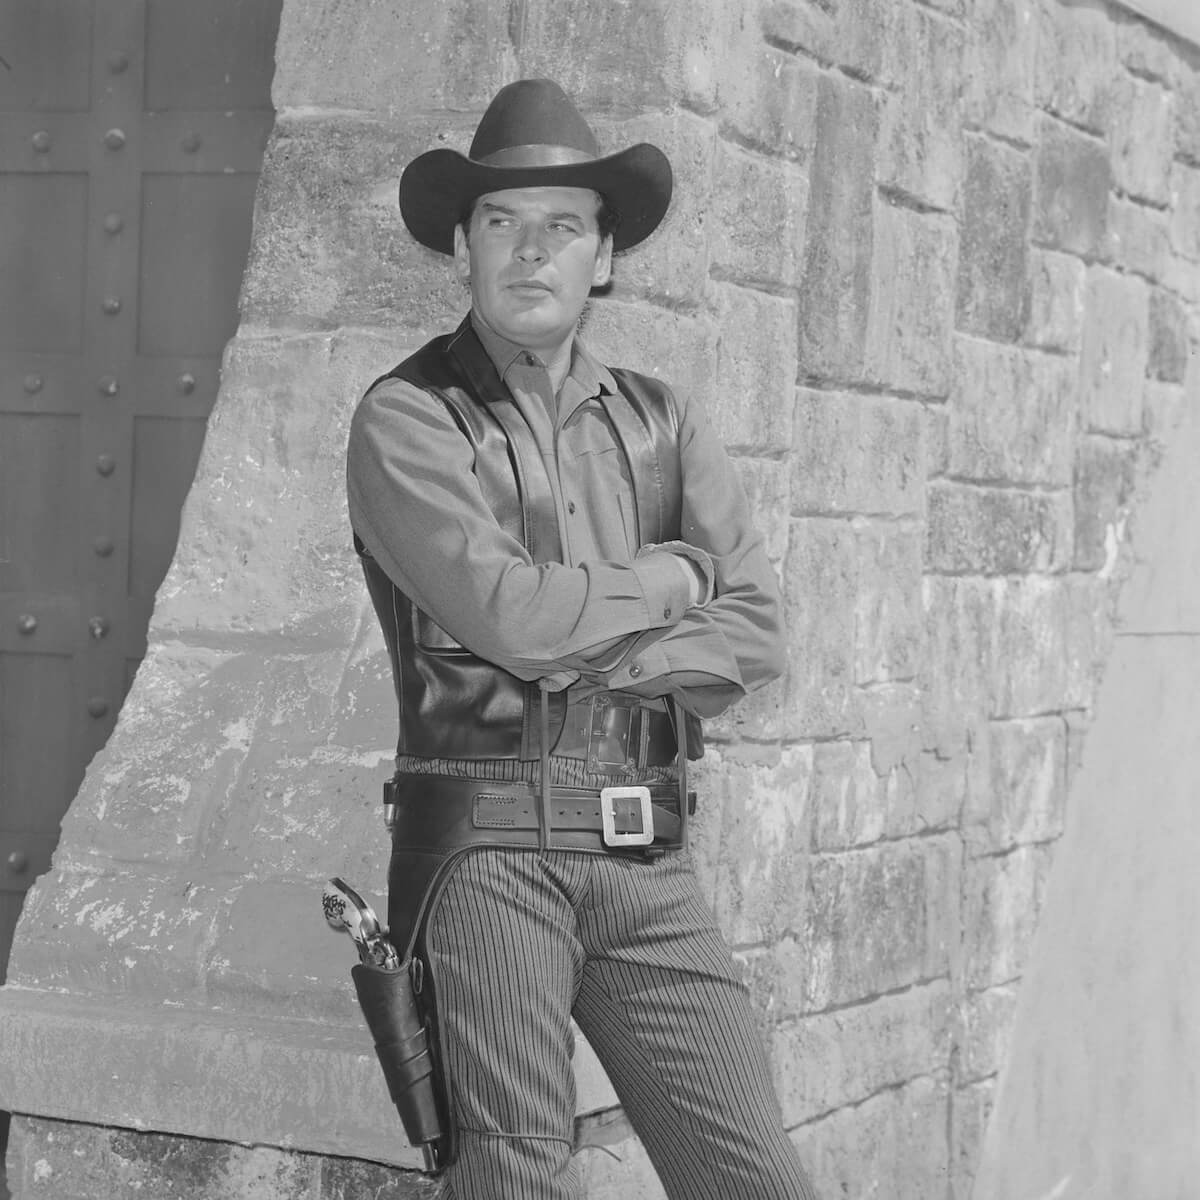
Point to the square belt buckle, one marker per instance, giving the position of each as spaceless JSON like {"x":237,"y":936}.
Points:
{"x":614,"y":801}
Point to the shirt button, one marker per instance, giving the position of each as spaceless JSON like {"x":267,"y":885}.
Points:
{"x":571,"y":507}
{"x":530,"y":361}
{"x":667,"y":612}
{"x":635,"y":671}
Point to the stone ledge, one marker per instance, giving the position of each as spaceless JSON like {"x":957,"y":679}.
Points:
{"x":203,"y":1073}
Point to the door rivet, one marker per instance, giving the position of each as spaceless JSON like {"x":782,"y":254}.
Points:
{"x":112,"y":305}
{"x":108,"y":385}
{"x":97,"y":706}
{"x":26,"y":624}
{"x":105,"y":464}
{"x":114,"y":139}
{"x":190,"y":143}
{"x":118,"y":62}
{"x":32,"y":383}
{"x":18,"y":862}
{"x":98,"y":627}
{"x":113,"y":223}
{"x":187,"y":383}
{"x":102,"y":546}
{"x":40,"y":141}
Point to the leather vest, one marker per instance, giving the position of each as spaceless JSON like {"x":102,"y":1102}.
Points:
{"x":452,"y":703}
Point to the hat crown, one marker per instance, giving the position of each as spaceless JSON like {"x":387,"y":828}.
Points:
{"x":532,"y":112}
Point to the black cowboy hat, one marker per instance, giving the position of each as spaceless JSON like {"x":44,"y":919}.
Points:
{"x":532,"y":135}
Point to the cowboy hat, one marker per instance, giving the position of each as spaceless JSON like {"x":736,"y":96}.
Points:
{"x":532,"y":135}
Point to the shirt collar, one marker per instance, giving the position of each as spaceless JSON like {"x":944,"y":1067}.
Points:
{"x":590,"y":377}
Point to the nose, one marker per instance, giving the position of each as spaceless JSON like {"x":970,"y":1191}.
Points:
{"x":529,"y":245}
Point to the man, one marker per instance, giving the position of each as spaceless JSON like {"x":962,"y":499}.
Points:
{"x":564,"y":567}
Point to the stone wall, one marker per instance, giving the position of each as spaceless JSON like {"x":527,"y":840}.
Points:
{"x":935,"y":267}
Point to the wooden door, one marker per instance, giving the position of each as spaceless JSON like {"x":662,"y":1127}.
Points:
{"x":131,"y":136}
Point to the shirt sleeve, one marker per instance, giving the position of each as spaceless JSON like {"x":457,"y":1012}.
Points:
{"x":415,"y":503}
{"x":735,"y":643}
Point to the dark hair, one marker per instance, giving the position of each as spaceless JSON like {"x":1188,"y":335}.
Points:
{"x":607,"y":217}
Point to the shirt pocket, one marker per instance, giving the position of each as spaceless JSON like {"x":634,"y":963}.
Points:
{"x":430,"y":637}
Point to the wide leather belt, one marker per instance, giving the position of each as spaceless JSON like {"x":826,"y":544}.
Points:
{"x":613,"y":730}
{"x":440,"y":813}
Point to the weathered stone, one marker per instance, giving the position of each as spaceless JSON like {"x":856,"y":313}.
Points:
{"x":835,"y":1059}
{"x":335,"y":55}
{"x":353,"y":1179}
{"x":880,"y":919}
{"x":606,"y":1174}
{"x":857,"y":455}
{"x":1002,"y":897}
{"x":1029,"y":665}
{"x":800,"y":26}
{"x":1026,"y":795}
{"x":1105,"y":475}
{"x":1168,"y":351}
{"x":1138,"y":238}
{"x":769,"y":103}
{"x":887,"y":610}
{"x":1076,"y":63}
{"x":986,"y":1026}
{"x":996,"y":531}
{"x":820,"y":589}
{"x":894,"y":1144}
{"x":1113,"y":356}
{"x":990,"y":292}
{"x":1142,"y":139}
{"x":755,"y":370}
{"x":1054,"y":310}
{"x":1071,"y":185}
{"x":1162,"y":406}
{"x":835,"y":286}
{"x":1090,"y":609}
{"x":907,"y":344}
{"x":920,"y":142}
{"x":970,"y":1108}
{"x":1187,"y":118}
{"x":1012,"y":415}
{"x":757,"y":219}
{"x":1149,"y":51}
{"x":768,"y":487}
{"x":998,"y":66}
{"x":1185,"y":213}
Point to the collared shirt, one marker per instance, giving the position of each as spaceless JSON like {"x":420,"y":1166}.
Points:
{"x":613,"y":615}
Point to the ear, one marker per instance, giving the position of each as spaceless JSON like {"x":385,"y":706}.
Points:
{"x":462,"y":254}
{"x":602,"y":272}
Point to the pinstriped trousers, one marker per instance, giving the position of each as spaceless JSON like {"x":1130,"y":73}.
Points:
{"x":522,"y":939}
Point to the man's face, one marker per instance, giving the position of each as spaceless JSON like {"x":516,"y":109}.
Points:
{"x":533,"y":256}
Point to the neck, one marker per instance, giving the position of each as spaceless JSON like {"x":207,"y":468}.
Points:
{"x":558,"y":363}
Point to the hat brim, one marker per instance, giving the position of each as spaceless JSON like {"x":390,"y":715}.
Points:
{"x":437,"y":186}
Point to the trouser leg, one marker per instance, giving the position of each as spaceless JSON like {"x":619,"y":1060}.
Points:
{"x":501,"y":944}
{"x":662,"y":1005}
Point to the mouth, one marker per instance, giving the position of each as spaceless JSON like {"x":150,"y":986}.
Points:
{"x":528,"y":285}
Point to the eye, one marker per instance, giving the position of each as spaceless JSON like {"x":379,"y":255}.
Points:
{"x":562,"y":227}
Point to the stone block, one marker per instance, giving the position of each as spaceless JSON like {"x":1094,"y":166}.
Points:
{"x":1026,"y":796}
{"x":1114,"y":352}
{"x":671,"y":265}
{"x":992,"y":258}
{"x":894,"y":1144}
{"x":996,"y":531}
{"x":1138,"y":238}
{"x":270,"y":489}
{"x":1142,"y":139}
{"x":1071,"y":186}
{"x":835,"y":283}
{"x":1105,"y":477}
{"x":1187,"y":118}
{"x":920,"y":138}
{"x":819,"y":591}
{"x":756,"y":225}
{"x":880,"y":919}
{"x":768,"y":487}
{"x":1162,"y":407}
{"x":1002,"y":899}
{"x":130,"y":933}
{"x":1012,"y":415}
{"x":957,"y":662}
{"x":330,"y":248}
{"x":970,"y":1110}
{"x":887,"y":609}
{"x":1150,"y":51}
{"x":354,"y":1179}
{"x":826,"y":1062}
{"x":800,"y":27}
{"x":983,"y":1040}
{"x":755,"y":369}
{"x":1167,"y":357}
{"x":1076,"y":63}
{"x":373,"y":55}
{"x":907,"y":343}
{"x":769,"y":102}
{"x":1090,"y":604}
{"x":758,"y":844}
{"x":1030,"y":660}
{"x":999,"y":67}
{"x":857,"y":454}
{"x":1185,"y":214}
{"x":1054,"y":301}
